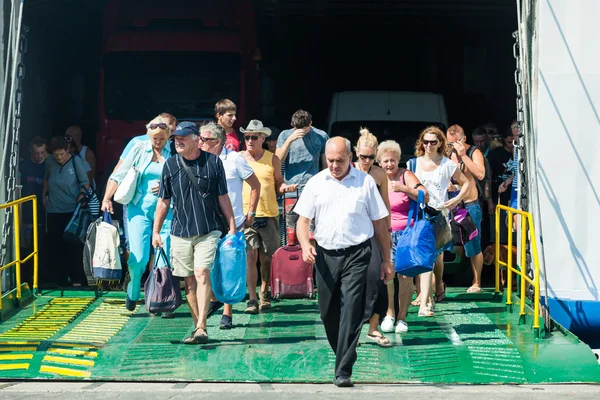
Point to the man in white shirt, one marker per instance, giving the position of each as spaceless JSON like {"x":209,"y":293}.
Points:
{"x":348,"y":210}
{"x":237,"y":170}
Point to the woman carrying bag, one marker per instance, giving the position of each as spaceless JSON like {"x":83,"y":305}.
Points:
{"x":403,"y":190}
{"x":65,"y":184}
{"x":435,"y":172}
{"x":139,"y":175}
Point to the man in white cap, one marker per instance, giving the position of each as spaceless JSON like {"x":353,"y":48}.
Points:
{"x":262,"y":238}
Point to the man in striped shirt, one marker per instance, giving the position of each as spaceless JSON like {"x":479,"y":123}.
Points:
{"x":197,"y":223}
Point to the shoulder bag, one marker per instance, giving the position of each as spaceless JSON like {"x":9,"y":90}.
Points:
{"x":415,"y":251}
{"x":223,"y":224}
{"x":161,"y":290}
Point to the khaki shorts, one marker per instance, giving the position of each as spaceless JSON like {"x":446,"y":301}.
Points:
{"x":195,"y":252}
{"x":266,"y":239}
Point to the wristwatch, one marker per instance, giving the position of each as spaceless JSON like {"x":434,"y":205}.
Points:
{"x":252,"y":214}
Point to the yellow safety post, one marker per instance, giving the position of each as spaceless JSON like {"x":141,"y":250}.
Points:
{"x":526,"y":222}
{"x":35,"y":254}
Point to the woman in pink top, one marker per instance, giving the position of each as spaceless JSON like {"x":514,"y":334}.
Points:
{"x":403,"y":186}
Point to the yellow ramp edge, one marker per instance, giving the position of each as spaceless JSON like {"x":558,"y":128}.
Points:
{"x":19,"y":342}
{"x":67,"y":360}
{"x":18,"y":349}
{"x":8,"y":367}
{"x":12,"y":357}
{"x":76,"y":373}
{"x":78,"y":345}
{"x":73,"y":352}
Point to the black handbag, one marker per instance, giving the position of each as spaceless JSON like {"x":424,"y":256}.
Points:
{"x":441,"y":228}
{"x":76,"y":230}
{"x":162,"y":292}
{"x":260,"y":222}
{"x":223,"y":224}
{"x":462,"y":226}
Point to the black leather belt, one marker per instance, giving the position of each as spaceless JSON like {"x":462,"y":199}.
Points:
{"x":346,"y":249}
{"x":471,"y":203}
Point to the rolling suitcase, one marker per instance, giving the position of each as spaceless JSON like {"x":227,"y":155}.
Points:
{"x":291,"y":277}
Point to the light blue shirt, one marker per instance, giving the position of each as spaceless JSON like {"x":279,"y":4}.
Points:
{"x":303,"y":160}
{"x":140,"y":157}
{"x":132,"y":143}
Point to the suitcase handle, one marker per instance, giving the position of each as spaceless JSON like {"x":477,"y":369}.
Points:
{"x":294,"y":256}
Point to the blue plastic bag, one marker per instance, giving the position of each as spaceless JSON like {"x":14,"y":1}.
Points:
{"x":228,"y":276}
{"x":415,"y":251}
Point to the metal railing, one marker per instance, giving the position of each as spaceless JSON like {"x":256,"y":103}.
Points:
{"x":16,"y":231}
{"x":526,"y":222}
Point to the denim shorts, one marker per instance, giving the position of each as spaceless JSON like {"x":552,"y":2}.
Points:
{"x":473,"y":247}
{"x":395,"y":237}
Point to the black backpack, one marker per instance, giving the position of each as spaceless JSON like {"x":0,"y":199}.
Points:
{"x":484,"y":186}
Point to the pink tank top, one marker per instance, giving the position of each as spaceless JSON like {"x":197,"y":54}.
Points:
{"x":400,"y":206}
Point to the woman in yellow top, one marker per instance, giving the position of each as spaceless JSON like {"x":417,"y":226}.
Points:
{"x":263,"y":235}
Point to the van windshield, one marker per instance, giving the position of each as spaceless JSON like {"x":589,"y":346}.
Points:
{"x":140,"y":85}
{"x":403,"y":132}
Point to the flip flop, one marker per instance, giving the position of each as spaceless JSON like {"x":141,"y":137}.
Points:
{"x":474,"y":289}
{"x":425,"y":313}
{"x":380,"y":341}
{"x":441,"y":296}
{"x":416,"y":302}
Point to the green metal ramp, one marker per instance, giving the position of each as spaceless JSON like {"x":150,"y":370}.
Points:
{"x":472,"y":339}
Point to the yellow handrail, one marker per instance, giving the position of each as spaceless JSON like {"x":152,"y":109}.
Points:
{"x":526,"y":220}
{"x":16,"y":229}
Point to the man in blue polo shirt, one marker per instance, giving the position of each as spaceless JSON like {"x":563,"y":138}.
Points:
{"x":302,"y":154}
{"x":197,"y":225}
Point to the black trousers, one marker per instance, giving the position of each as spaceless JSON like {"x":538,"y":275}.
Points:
{"x":341,"y":278}
{"x":376,"y":298}
{"x":65,"y":260}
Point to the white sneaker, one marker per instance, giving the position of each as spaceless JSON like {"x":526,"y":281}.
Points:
{"x":387,"y":325}
{"x":401,"y":327}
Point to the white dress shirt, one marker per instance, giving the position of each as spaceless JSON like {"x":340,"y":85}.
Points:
{"x":343,"y":210}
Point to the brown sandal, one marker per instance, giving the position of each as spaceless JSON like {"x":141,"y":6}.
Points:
{"x":198,"y":336}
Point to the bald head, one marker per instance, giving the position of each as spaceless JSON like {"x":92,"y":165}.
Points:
{"x":73,"y":131}
{"x":456,"y":129}
{"x":455,"y":133}
{"x":338,"y":143}
{"x":338,"y":152}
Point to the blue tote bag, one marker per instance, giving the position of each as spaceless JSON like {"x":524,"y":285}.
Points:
{"x":415,"y":251}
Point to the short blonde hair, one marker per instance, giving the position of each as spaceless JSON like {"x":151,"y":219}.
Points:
{"x":159,"y":120}
{"x":366,"y":139}
{"x":388,"y":146}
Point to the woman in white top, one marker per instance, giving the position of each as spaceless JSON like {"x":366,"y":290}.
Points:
{"x":435,"y":172}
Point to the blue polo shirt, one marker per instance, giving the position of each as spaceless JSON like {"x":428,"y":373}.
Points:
{"x":304,"y":156}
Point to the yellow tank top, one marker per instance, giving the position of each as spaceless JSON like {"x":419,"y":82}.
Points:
{"x":267,"y":204}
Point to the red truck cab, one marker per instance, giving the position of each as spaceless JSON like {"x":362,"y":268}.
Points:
{"x":179,"y":57}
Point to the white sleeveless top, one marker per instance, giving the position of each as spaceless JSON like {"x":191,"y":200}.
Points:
{"x":436,"y":182}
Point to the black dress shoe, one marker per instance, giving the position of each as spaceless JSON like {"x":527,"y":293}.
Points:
{"x":129,"y":304}
{"x":213,"y":308}
{"x":343,"y":381}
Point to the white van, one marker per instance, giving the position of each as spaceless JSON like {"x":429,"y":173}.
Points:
{"x":399,"y":116}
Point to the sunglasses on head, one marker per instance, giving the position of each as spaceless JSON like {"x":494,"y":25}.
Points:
{"x":431,"y":142}
{"x":366,"y":157}
{"x":253,"y":137}
{"x":207,"y":139}
{"x":162,"y":125}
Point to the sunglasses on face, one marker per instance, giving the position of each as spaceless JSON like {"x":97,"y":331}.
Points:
{"x":154,"y":126}
{"x":431,"y":142}
{"x":253,"y":137}
{"x":207,"y":139}
{"x":366,"y":157}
